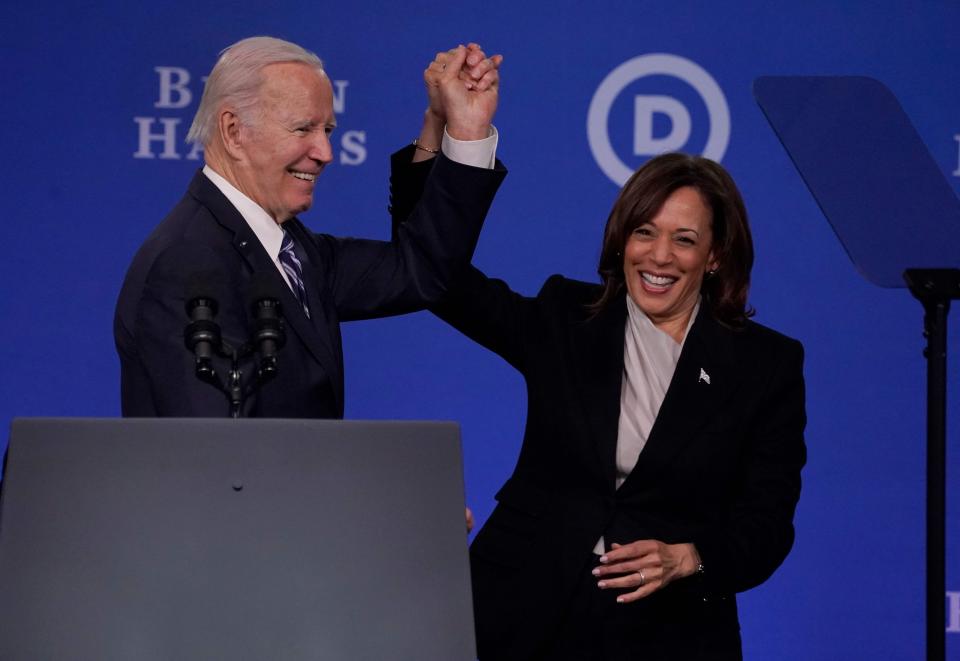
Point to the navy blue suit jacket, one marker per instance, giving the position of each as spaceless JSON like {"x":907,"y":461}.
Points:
{"x":345,"y":279}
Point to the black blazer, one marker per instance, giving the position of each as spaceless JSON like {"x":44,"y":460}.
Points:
{"x":721,"y":469}
{"x":345,"y":279}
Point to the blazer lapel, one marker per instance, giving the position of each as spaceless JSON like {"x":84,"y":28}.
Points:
{"x":601,"y":374}
{"x":705,"y":378}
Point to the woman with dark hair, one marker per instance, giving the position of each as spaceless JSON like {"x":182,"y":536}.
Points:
{"x":646,"y":192}
{"x":660,"y":465}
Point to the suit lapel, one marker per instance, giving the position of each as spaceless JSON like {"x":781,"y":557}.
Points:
{"x":705,"y":378}
{"x":601,"y":377}
{"x":320,"y":332}
{"x":248,"y":246}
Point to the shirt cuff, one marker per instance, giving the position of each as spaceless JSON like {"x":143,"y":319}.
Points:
{"x":478,"y":153}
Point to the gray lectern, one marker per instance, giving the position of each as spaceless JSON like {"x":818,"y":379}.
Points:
{"x":136,"y":540}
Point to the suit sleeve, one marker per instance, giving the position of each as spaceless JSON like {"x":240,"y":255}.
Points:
{"x":430,"y":248}
{"x":161,"y":354}
{"x":491,"y":314}
{"x":745,"y":547}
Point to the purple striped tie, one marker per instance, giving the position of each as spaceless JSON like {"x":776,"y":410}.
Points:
{"x":294,"y":270}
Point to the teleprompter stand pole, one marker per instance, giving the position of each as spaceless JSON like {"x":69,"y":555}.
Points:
{"x":935,"y":288}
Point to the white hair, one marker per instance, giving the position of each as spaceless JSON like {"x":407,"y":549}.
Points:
{"x":235,"y":80}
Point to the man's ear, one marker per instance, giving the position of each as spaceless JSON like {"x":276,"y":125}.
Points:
{"x":231,"y":133}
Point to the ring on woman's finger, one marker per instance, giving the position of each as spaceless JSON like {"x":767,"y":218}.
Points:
{"x":642,"y":577}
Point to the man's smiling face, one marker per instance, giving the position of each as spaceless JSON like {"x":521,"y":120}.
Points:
{"x":287,"y":144}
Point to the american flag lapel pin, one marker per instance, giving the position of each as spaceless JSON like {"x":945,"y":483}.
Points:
{"x":704,"y":377}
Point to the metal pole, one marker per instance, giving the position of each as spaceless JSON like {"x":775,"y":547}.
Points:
{"x":935,"y":288}
{"x":936,"y":325}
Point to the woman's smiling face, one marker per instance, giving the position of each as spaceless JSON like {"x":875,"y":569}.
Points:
{"x":666,"y":259}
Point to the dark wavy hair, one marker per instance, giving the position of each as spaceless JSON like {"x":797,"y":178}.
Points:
{"x":725,"y":291}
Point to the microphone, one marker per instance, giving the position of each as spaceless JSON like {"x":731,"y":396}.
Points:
{"x":202,"y":334}
{"x":268,"y":334}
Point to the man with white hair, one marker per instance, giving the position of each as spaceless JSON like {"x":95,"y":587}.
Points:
{"x":265,"y":121}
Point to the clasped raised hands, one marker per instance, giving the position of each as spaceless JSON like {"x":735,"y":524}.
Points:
{"x":462,"y":89}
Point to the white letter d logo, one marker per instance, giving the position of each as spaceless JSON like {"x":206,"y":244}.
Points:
{"x":644,"y":108}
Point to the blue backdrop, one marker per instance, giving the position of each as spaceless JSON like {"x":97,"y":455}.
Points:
{"x":98,"y":98}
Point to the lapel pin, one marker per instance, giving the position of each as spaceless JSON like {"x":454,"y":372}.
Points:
{"x":704,"y":377}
